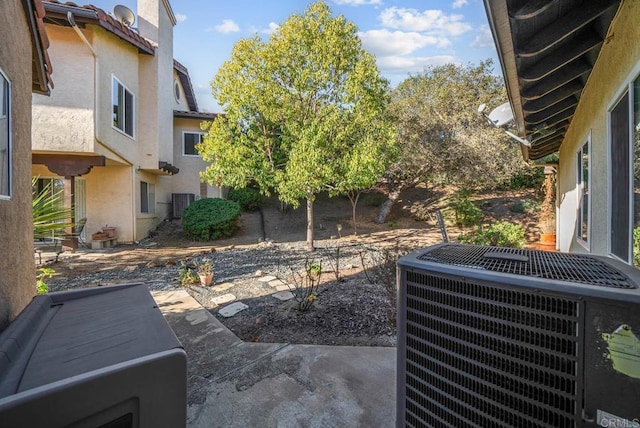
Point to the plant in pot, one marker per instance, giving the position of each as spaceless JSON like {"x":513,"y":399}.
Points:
{"x":547,"y":218}
{"x":205,"y":272}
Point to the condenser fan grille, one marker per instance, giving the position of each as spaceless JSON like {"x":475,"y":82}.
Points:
{"x":480,"y":355}
{"x":533,"y":263}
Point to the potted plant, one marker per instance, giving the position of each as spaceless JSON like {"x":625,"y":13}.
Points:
{"x":547,"y":218}
{"x":205,"y":272}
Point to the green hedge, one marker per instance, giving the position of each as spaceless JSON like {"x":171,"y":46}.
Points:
{"x":249,"y":198}
{"x":502,"y":234}
{"x":211,"y":218}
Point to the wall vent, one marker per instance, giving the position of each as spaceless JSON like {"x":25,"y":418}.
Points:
{"x":180,"y":201}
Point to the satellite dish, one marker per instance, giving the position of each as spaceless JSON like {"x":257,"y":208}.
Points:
{"x":501,"y":115}
{"x":124,"y":15}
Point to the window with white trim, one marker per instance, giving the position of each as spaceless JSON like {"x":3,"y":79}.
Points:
{"x":147,"y":197}
{"x":584,"y":200}
{"x":624,"y":167}
{"x":123,"y":108}
{"x":189,"y":141}
{"x":5,"y":137}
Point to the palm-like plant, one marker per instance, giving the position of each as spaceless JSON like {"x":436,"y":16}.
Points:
{"x":50,"y":216}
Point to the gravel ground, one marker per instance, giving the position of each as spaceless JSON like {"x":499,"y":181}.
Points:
{"x":351,"y":311}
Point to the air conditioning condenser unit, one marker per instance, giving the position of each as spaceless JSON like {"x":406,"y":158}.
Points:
{"x":505,"y":337}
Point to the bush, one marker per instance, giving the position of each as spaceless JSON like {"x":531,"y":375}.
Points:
{"x":502,"y":234}
{"x":466,"y":212}
{"x":249,"y":198}
{"x":636,"y":246}
{"x":211,"y":218}
{"x":531,"y":178}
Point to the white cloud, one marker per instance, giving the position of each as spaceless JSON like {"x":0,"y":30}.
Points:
{"x":227,"y":26}
{"x":385,"y":42}
{"x":457,"y":4}
{"x":358,"y":2}
{"x":181,"y":17}
{"x":272,"y":28}
{"x":432,"y":21}
{"x":484,"y":39}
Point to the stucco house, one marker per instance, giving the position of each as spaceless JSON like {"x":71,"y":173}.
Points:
{"x":186,"y":134}
{"x":107,"y":131}
{"x":24,"y":68}
{"x":572,"y":71}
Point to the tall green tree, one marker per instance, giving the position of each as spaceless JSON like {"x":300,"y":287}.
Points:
{"x":441,"y":137}
{"x":304,"y":112}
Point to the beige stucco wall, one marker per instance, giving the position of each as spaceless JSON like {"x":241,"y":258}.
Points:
{"x":118,"y":59}
{"x":64,"y":121}
{"x":617,"y":64}
{"x":180,"y":104}
{"x":110,"y":200}
{"x":17,"y":267}
{"x":147,"y":221}
{"x":156,"y":85}
{"x":188,"y":180}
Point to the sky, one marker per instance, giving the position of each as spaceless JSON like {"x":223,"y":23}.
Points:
{"x":404,"y":35}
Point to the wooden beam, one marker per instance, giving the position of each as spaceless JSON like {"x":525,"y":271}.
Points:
{"x":560,"y":58}
{"x":552,"y":98}
{"x":68,"y":165}
{"x":555,"y":109}
{"x":565,"y":26}
{"x":561,"y":77}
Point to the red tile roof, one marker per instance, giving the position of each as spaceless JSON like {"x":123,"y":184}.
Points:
{"x":56,"y":13}
{"x":41,"y":63}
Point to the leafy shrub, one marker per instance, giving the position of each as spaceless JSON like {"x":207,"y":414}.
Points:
{"x":211,"y":218}
{"x":249,"y":198}
{"x":531,"y":178}
{"x":636,"y":246}
{"x":187,"y":274}
{"x":501,"y":234}
{"x":466,"y":212}
{"x":45,"y":273}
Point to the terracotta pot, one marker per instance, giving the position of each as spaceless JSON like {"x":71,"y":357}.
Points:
{"x":206,"y":279}
{"x":548,"y":239}
{"x":96,"y":236}
{"x":109,"y":231}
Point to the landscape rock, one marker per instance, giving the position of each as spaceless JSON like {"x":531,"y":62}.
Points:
{"x":283,"y":295}
{"x":232,"y":309}
{"x":221,"y":300}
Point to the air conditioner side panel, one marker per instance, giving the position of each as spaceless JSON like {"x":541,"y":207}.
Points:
{"x":612,"y":363}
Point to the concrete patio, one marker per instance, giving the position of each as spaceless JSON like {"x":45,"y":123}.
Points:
{"x":232,"y":383}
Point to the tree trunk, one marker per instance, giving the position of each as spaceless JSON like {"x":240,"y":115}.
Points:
{"x":310,"y":224}
{"x":386,"y":206}
{"x":353,"y":198}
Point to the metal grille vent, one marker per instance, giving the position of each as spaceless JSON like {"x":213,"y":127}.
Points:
{"x":533,"y":263}
{"x":479,"y":355}
{"x":180,"y":201}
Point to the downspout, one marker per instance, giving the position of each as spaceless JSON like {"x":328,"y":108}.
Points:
{"x":96,"y":104}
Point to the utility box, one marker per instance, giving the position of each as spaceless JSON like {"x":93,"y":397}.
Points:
{"x":95,"y":357}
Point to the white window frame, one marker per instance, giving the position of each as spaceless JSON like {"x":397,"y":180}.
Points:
{"x":580,"y":188}
{"x":150,"y":196}
{"x":114,"y":81}
{"x":6,"y":114}
{"x":626,"y":88}
{"x":184,"y":133}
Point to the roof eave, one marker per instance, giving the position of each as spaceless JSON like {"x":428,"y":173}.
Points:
{"x":498,"y":18}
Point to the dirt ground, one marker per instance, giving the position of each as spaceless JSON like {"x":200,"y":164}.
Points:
{"x":357,"y":309}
